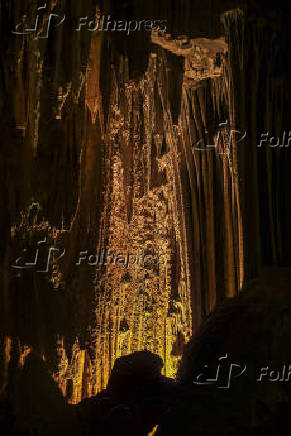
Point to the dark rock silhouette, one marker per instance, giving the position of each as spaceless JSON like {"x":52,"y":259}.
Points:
{"x":254,"y":329}
{"x":33,"y":403}
{"x":135,"y":400}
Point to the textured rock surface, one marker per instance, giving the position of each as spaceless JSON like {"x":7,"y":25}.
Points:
{"x":251,"y":331}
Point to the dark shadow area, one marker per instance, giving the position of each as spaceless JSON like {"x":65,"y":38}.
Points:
{"x":134,"y":402}
{"x":253,"y":330}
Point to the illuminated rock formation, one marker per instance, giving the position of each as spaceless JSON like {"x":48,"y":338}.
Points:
{"x":139,"y":155}
{"x":158,"y":161}
{"x":150,"y":307}
{"x":152,"y":172}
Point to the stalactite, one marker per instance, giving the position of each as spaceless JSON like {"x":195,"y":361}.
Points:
{"x":148,"y":205}
{"x":140,"y":162}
